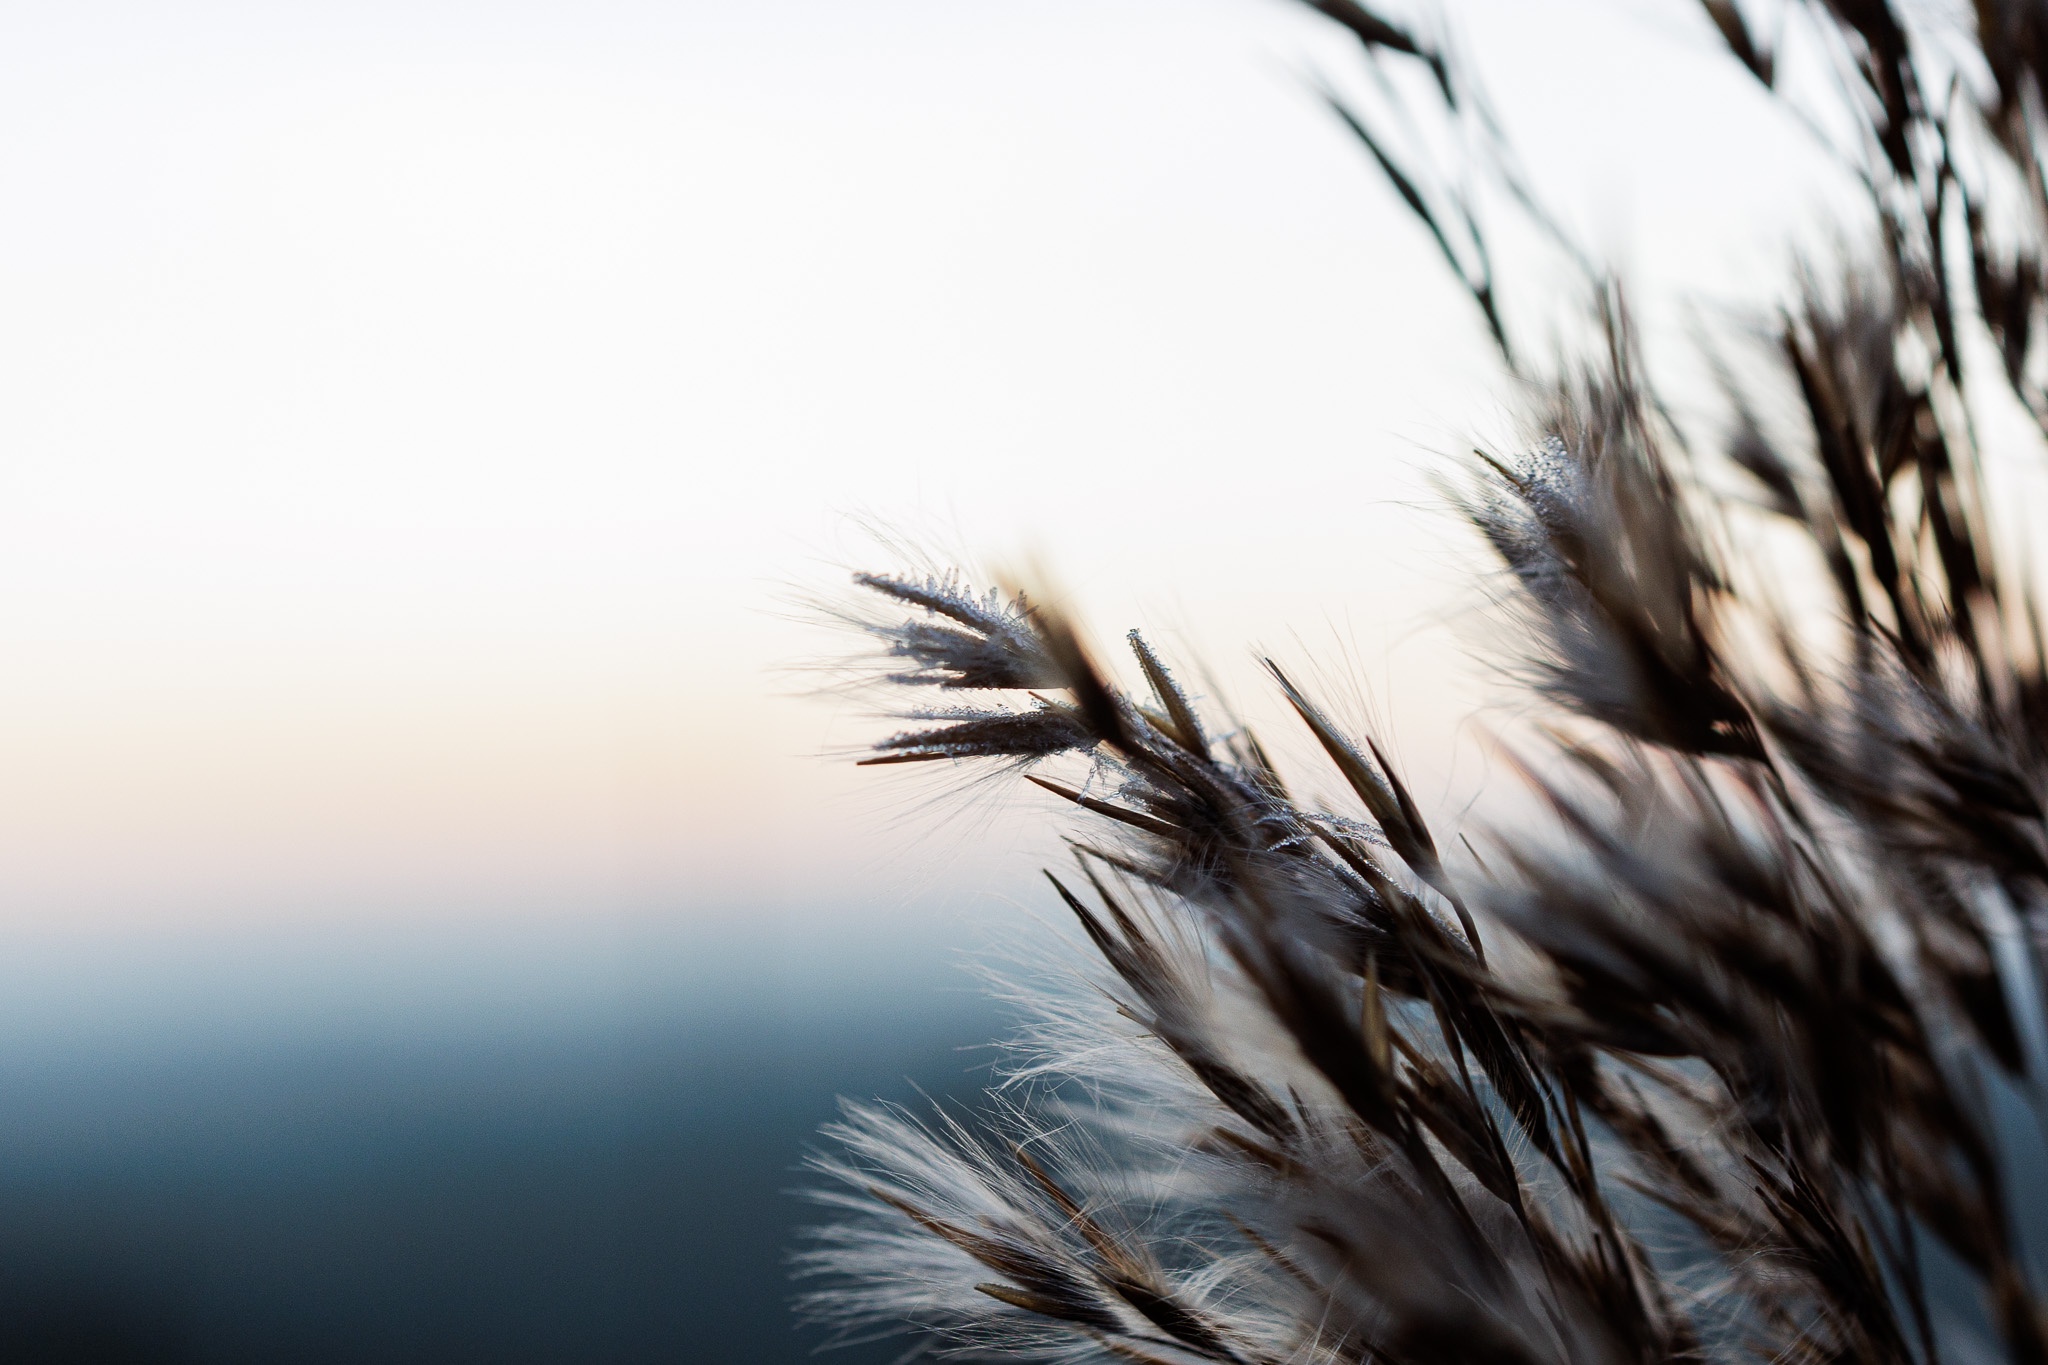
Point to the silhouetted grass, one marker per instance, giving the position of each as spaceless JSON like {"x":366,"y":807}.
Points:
{"x":1733,"y":1053}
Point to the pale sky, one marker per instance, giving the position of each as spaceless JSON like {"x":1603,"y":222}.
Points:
{"x":412,"y":415}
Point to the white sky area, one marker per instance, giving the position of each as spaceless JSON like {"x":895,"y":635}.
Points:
{"x":411,"y":415}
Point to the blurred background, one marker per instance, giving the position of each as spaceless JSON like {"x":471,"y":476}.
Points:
{"x":436,"y":905}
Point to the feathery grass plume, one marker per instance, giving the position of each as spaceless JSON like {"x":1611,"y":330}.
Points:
{"x":1733,"y":1054}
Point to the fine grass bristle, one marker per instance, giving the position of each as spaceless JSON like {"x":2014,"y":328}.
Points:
{"x":1734,"y":1050}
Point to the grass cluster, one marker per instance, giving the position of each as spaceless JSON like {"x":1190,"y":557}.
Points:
{"x":1736,"y":1051}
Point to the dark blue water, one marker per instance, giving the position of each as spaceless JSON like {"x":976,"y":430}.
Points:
{"x":308,"y":1156}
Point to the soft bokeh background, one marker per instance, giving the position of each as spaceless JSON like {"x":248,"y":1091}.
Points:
{"x":432,"y":913}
